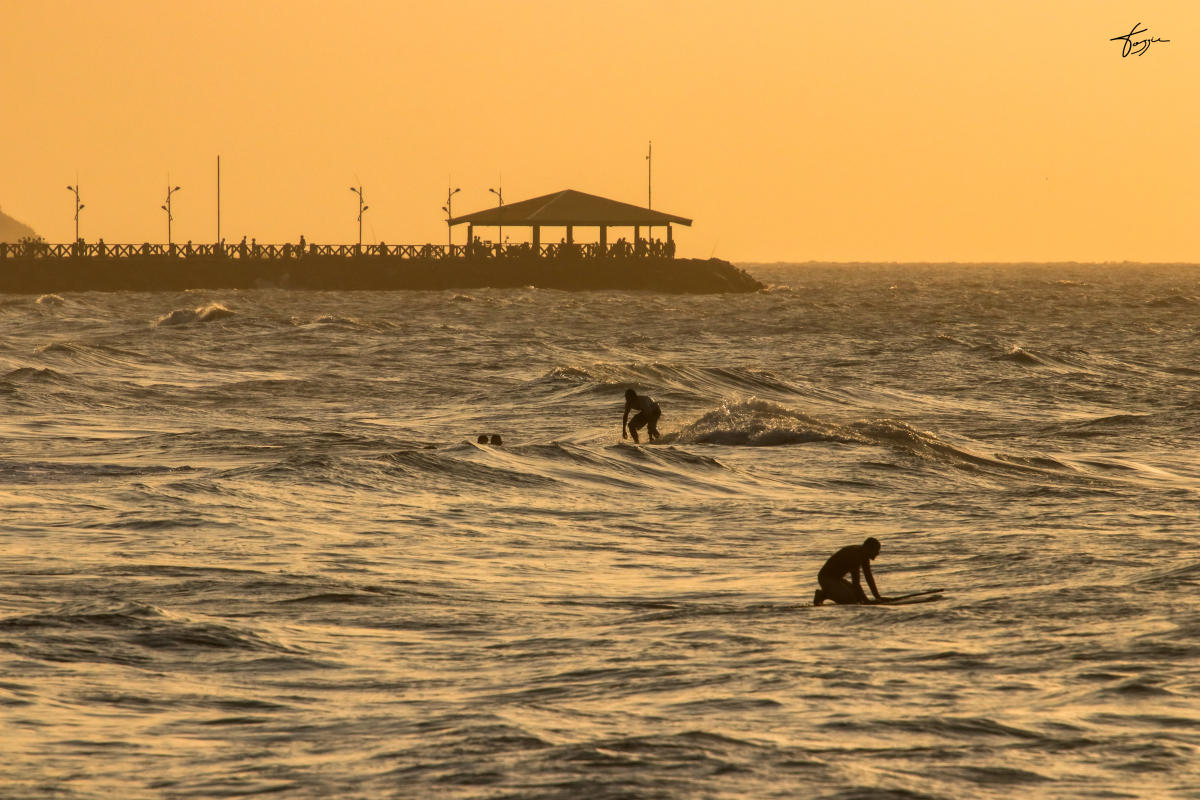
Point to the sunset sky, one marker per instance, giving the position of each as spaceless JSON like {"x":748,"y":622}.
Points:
{"x":934,"y":130}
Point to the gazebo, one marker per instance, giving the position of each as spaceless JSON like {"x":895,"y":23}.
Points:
{"x":569,"y":209}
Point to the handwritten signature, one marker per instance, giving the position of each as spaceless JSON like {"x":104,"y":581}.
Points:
{"x":1136,"y":48}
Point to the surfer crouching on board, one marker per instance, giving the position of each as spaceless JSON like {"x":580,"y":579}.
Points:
{"x":832,"y":576}
{"x":647,"y":414}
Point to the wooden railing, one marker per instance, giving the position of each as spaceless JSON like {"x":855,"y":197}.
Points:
{"x":275,"y":252}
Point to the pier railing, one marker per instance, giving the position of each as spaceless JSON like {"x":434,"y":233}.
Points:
{"x":479,"y":250}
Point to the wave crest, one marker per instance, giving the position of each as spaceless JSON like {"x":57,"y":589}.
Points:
{"x":760,"y":423}
{"x":186,"y":316}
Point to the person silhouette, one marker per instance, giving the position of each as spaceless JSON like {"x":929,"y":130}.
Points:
{"x":647,"y":415}
{"x":854,"y":559}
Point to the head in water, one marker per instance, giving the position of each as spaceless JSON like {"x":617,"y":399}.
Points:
{"x":871,"y":547}
{"x":482,"y":438}
{"x":630,"y":395}
{"x":496,"y":440}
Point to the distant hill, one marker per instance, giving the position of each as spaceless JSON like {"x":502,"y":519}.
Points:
{"x":13,"y":231}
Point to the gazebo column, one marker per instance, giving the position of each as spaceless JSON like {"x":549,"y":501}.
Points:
{"x":603,"y":240}
{"x":570,"y":234}
{"x":537,"y":239}
{"x":637,"y":233}
{"x":470,"y":235}
{"x":669,"y":239}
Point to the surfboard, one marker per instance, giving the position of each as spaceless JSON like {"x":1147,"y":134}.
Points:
{"x":908,"y":601}
{"x":913,"y":594}
{"x":904,"y":599}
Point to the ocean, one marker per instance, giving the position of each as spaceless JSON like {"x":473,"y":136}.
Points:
{"x":251,"y":544}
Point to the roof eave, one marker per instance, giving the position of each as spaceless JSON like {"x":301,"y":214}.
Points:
{"x":489,"y":219}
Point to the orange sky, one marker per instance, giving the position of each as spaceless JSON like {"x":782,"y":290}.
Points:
{"x":940,"y":130}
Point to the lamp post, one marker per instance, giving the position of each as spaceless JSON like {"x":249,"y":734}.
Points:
{"x":361,"y":208}
{"x":500,"y":196}
{"x":449,"y":198}
{"x":167,"y":208}
{"x":78,"y":207}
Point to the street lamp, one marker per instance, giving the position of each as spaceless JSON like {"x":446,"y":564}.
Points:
{"x":78,"y":207}
{"x":361,"y":208}
{"x":449,"y":195}
{"x":167,"y":208}
{"x":500,"y":195}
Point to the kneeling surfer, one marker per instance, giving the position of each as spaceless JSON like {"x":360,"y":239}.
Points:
{"x":851,"y":559}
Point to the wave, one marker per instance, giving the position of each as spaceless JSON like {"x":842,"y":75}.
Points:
{"x":98,"y":355}
{"x":945,"y":338}
{"x":437,"y":467}
{"x":50,"y":300}
{"x":34,"y":376}
{"x":187,"y":316}
{"x":612,"y":379}
{"x":344,"y":321}
{"x":928,"y":446}
{"x":1173,"y":300}
{"x":1114,"y":420}
{"x":41,"y":473}
{"x":760,"y":423}
{"x":1034,"y":358}
{"x":1020,"y":355}
{"x":333,"y":319}
{"x":127,"y":633}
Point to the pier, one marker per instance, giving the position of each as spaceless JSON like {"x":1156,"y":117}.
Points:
{"x":40,"y":268}
{"x":477,"y":250}
{"x":644,"y":263}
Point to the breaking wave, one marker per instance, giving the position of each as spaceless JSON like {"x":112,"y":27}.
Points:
{"x":187,"y":316}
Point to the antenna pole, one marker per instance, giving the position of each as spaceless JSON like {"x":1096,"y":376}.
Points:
{"x":649,"y":163}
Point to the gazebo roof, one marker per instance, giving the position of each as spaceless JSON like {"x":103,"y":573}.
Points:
{"x":569,"y":207}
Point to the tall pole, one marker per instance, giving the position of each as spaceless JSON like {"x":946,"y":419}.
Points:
{"x":361,"y":208}
{"x":447,"y":208}
{"x":218,"y":199}
{"x":78,"y":205}
{"x":649,"y":165}
{"x":167,"y":208}
{"x":500,"y":196}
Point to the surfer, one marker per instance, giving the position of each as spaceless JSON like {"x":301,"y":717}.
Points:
{"x":647,"y":415}
{"x":851,"y":559}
